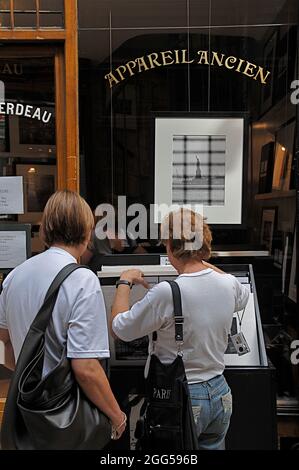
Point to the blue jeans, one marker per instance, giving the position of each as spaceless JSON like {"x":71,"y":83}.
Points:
{"x":212,"y":409}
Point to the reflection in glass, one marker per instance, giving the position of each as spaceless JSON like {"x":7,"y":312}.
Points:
{"x":51,"y":5}
{"x":22,"y":5}
{"x":25,"y":20}
{"x":49,"y":20}
{"x":5,"y":20}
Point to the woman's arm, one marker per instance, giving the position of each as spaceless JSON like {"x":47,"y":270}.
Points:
{"x":121,"y":301}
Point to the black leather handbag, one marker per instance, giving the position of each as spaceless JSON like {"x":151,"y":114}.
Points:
{"x":51,"y":412}
{"x":166,"y":418}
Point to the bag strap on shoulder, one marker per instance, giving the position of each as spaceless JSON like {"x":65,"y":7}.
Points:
{"x":44,"y":314}
{"x":178,"y":315}
{"x":178,"y":312}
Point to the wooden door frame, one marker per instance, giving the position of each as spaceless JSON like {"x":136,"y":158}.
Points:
{"x":66,"y":87}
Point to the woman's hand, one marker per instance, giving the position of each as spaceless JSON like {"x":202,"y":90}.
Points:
{"x":135,"y":276}
{"x":118,"y":427}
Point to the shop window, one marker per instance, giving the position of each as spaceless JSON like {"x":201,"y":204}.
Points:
{"x":27,"y":138}
{"x":117,"y":134}
{"x":5,"y":14}
{"x":32,"y":14}
{"x":51,"y":13}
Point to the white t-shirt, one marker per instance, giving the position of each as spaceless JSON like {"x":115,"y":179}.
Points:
{"x":209,"y":300}
{"x":79,"y":315}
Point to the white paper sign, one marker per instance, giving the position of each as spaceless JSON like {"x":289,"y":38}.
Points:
{"x":11,"y":195}
{"x":12,"y":248}
{"x":164,"y":261}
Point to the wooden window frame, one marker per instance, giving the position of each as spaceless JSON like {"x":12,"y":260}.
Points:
{"x":66,"y":87}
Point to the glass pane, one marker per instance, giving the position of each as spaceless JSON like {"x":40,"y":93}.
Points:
{"x":199,"y":73}
{"x":51,"y":5}
{"x":248,"y":12}
{"x":95,"y":120}
{"x":133,"y":13}
{"x":149,"y":13}
{"x":4,"y":5}
{"x":23,"y":5}
{"x":25,"y":20}
{"x":5,"y":20}
{"x":125,"y":141}
{"x":51,"y":20}
{"x":27,"y":133}
{"x":93,"y":14}
{"x":4,"y":135}
{"x":228,"y":85}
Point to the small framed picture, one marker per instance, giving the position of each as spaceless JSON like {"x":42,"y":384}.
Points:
{"x":284,"y":150}
{"x":268,"y":223}
{"x":293,"y":277}
{"x":39,"y":183}
{"x":33,"y":138}
{"x":266,"y":168}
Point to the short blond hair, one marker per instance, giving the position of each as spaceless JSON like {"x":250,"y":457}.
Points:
{"x":67,"y":219}
{"x":181,"y":228}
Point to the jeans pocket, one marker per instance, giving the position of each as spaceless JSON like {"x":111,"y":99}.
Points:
{"x":196,"y":409}
{"x":227,"y":404}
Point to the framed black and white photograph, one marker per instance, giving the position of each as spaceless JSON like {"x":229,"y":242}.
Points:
{"x":269,"y":54}
{"x":199,"y":162}
{"x":268,"y":223}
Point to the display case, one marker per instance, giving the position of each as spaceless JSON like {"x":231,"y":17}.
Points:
{"x":251,"y":376}
{"x":135,"y":352}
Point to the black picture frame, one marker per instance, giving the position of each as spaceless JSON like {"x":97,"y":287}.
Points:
{"x":13,"y":227}
{"x":293,"y":280}
{"x":39,"y":182}
{"x":268,"y":226}
{"x":284,"y":156}
{"x":266,"y":168}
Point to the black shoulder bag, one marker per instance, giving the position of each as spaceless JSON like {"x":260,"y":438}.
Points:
{"x":51,"y":412}
{"x":167,"y":420}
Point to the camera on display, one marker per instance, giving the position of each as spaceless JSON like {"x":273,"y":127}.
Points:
{"x":240,"y":344}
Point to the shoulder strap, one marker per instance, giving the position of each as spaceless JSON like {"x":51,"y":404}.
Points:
{"x":178,"y":314}
{"x":44,"y":314}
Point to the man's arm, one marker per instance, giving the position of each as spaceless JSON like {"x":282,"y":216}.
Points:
{"x":9,"y":358}
{"x":94,"y":383}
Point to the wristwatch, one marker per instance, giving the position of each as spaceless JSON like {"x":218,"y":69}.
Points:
{"x":124,"y":282}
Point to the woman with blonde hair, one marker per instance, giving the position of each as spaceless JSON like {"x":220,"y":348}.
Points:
{"x":209,"y":299}
{"x":78,"y":324}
